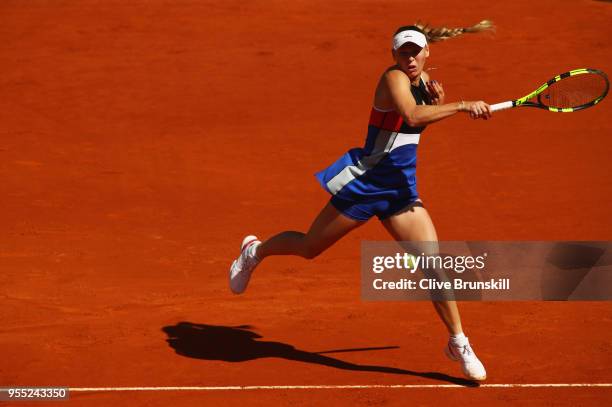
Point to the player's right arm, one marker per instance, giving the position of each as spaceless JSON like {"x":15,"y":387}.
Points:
{"x":394,"y":91}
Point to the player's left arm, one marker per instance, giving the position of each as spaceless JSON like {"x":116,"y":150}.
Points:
{"x":435,"y":89}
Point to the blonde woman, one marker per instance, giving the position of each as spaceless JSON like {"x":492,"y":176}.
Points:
{"x":379,"y":179}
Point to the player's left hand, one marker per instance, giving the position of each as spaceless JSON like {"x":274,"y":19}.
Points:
{"x":436,"y":92}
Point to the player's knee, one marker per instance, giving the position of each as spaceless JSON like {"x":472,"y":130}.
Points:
{"x":310,"y":251}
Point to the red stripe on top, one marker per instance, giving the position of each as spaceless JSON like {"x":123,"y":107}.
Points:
{"x":376,"y":117}
{"x":386,"y":120}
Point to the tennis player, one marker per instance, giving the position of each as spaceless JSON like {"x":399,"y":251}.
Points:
{"x":379,"y":179}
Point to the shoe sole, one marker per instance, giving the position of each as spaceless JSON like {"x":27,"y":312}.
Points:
{"x":246,"y":241}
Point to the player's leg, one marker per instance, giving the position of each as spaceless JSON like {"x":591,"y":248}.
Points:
{"x":327,"y":228}
{"x":414,"y":224}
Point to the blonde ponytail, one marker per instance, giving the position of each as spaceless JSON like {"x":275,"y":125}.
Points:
{"x":435,"y":34}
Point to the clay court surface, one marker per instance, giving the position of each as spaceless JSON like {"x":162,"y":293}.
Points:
{"x":140,"y":141}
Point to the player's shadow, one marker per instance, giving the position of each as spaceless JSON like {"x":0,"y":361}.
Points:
{"x":240,"y":343}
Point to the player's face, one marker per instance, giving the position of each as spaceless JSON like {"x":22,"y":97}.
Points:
{"x":411,"y":58}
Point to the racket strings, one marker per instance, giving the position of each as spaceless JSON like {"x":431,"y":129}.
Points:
{"x":574,"y":91}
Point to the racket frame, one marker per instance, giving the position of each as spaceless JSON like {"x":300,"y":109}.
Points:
{"x":524,"y":100}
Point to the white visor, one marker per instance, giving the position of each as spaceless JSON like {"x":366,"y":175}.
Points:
{"x":409,"y":36}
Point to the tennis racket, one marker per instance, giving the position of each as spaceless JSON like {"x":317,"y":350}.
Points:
{"x":568,"y":92}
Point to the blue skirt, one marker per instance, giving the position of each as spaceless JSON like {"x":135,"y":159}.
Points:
{"x":377,"y":184}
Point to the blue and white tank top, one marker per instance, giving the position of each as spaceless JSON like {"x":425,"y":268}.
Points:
{"x":385,"y":168}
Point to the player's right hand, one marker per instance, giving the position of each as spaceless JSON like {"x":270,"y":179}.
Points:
{"x":478,"y":109}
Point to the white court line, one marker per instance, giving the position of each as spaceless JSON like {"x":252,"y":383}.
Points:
{"x":340,"y":386}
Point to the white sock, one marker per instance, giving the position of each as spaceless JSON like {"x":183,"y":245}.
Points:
{"x":459,"y":339}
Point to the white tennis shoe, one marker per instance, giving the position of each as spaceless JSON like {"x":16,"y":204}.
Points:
{"x":472,"y":367}
{"x":243,"y":266}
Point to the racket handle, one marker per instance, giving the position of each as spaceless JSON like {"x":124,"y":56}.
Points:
{"x":501,"y":106}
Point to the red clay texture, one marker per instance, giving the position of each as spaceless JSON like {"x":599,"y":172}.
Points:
{"x":141,"y":141}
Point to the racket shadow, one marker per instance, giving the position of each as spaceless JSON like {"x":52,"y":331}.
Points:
{"x":240,"y":344}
